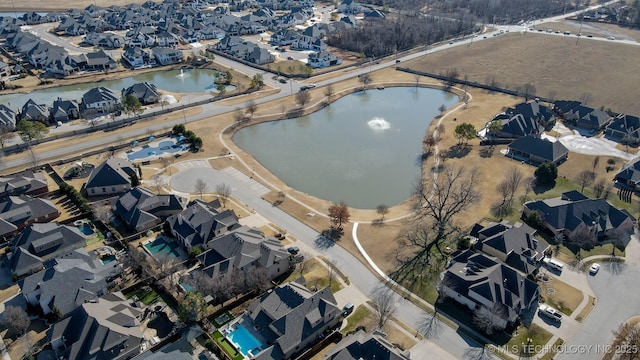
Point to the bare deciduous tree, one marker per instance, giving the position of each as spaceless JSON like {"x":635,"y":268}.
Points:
{"x":102,"y":213}
{"x":329,"y":92}
{"x":490,"y":319}
{"x":527,"y":91}
{"x":440,"y":200}
{"x":596,"y":161}
{"x":157,"y":182}
{"x":166,"y":163}
{"x":16,"y":320}
{"x":598,"y":187}
{"x":339,"y":214}
{"x":5,"y":136}
{"x":201,"y":187}
{"x":585,"y":178}
{"x":585,"y":98}
{"x":34,"y":159}
{"x":251,"y":107}
{"x":258,"y":279}
{"x":302,"y":98}
{"x":529,"y":185}
{"x":333,"y":266}
{"x":224,"y":191}
{"x":365,"y":79}
{"x":238,"y":116}
{"x":584,"y":237}
{"x":382,"y":210}
{"x":626,"y":336}
{"x":478,"y":353}
{"x":384,"y":303}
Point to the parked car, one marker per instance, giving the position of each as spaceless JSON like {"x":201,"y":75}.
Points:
{"x":347,"y":309}
{"x":553,"y":264}
{"x":290,"y":58}
{"x":282,"y":80}
{"x":594,"y":268}
{"x":307,"y":87}
{"x":293,"y":250}
{"x":550,"y":312}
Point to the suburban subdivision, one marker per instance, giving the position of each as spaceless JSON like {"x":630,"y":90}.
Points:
{"x":276,"y":180}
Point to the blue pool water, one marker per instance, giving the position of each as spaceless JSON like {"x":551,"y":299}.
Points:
{"x":86,"y":229}
{"x":242,"y":338}
{"x":167,"y":146}
{"x":160,"y":246}
{"x":187,"y":287}
{"x":107,"y":259}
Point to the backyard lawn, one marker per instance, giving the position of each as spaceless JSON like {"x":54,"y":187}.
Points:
{"x":226,"y":347}
{"x":561,"y":296}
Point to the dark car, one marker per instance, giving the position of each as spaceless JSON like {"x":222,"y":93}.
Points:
{"x":283,"y":80}
{"x":293,"y":250}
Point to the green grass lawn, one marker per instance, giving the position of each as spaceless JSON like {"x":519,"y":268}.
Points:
{"x":226,"y":347}
{"x":146,"y":296}
{"x":535,"y":333}
{"x":357,"y":318}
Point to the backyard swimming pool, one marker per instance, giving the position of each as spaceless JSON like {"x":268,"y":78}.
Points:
{"x":86,"y":229}
{"x":244,"y":340}
{"x":166,"y":146}
{"x":160,"y":246}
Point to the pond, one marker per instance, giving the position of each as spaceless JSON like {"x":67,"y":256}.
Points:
{"x":364,"y":149}
{"x":177,"y":81}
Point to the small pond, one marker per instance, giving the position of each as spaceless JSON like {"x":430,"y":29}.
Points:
{"x":364,"y":149}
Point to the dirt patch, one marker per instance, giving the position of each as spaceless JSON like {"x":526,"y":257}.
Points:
{"x":567,"y":70}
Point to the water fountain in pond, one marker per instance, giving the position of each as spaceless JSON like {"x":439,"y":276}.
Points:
{"x":379,"y":124}
{"x":182,"y":74}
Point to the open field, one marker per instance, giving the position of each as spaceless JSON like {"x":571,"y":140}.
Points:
{"x":555,"y":65}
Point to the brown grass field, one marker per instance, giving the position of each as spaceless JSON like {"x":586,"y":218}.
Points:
{"x":553,"y":64}
{"x":27,"y":5}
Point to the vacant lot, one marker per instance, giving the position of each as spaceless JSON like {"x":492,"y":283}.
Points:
{"x":555,"y":65}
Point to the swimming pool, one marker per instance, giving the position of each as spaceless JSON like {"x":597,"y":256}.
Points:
{"x":244,"y":340}
{"x":160,"y":246}
{"x":166,"y":146}
{"x":86,"y":229}
{"x":107,"y":259}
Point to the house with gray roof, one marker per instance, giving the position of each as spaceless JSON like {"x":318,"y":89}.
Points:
{"x":25,"y":182}
{"x":525,"y":119}
{"x":629,"y":175}
{"x":141,"y":209}
{"x":366,"y":345}
{"x":514,"y":244}
{"x":201,"y":222}
{"x":42,"y":242}
{"x":138,"y":58}
{"x":101,"y":99}
{"x":112,"y":177}
{"x":107,"y":328}
{"x":479,"y":280}
{"x":588,"y":118}
{"x":35,"y":112}
{"x":323,"y":59}
{"x":572,"y":211}
{"x":290,"y":318}
{"x":65,"y":110}
{"x":104,"y":40}
{"x":538,"y":151}
{"x":241,"y":250}
{"x":72,"y":280}
{"x":145,"y":92}
{"x":7,"y":118}
{"x":167,"y":56}
{"x":99,"y":60}
{"x":624,"y":128}
{"x":18,"y":212}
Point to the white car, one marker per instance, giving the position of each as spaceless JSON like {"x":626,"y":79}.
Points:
{"x":593,"y":269}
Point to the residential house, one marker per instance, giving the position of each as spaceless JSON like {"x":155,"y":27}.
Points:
{"x":259,"y":56}
{"x":142,"y":209}
{"x":525,"y":119}
{"x":201,"y":222}
{"x":65,"y":110}
{"x":537,"y":151}
{"x":282,"y":37}
{"x":142,"y":40}
{"x":72,"y":280}
{"x":108,"y":328}
{"x":323,"y":59}
{"x":290,"y":318}
{"x":101,"y":99}
{"x":18,"y":212}
{"x":42,"y":242}
{"x":514,"y":244}
{"x":138,"y":58}
{"x":366,"y":345}
{"x":99,"y":60}
{"x":241,"y":250}
{"x":562,"y":107}
{"x":374,"y":15}
{"x":104,"y":40}
{"x":624,"y":128}
{"x":350,"y":7}
{"x":310,"y":39}
{"x":477,"y":280}
{"x":35,"y":112}
{"x":26,"y":182}
{"x":629,"y":175}
{"x":7,"y":118}
{"x":167,"y":56}
{"x":145,"y":92}
{"x":110,"y":178}
{"x":588,"y":118}
{"x":573,"y":211}
{"x":5,"y":70}
{"x":166,"y":40}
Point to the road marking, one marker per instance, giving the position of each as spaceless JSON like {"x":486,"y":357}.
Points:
{"x":246,"y":181}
